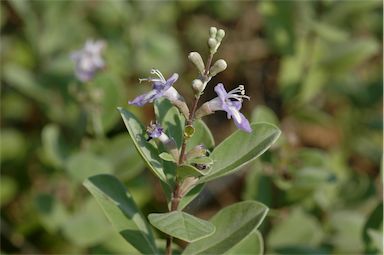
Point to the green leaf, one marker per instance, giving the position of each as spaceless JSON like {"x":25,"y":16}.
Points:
{"x":264,"y":114}
{"x":201,"y":160}
{"x":202,"y":135}
{"x":120,"y":208}
{"x":147,"y":150}
{"x":233,"y":224}
{"x":343,"y":57}
{"x":182,"y":225}
{"x":287,"y":232}
{"x":190,"y":196}
{"x":84,"y":164}
{"x":377,"y":239}
{"x":184,"y":171}
{"x":170,"y":119}
{"x":241,"y":148}
{"x":167,"y":157}
{"x":252,"y":244}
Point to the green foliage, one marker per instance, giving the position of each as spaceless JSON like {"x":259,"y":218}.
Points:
{"x":122,"y":211}
{"x":233,"y":224}
{"x":240,"y":148}
{"x":182,"y":225}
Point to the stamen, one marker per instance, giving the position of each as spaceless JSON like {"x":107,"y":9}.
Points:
{"x":159,"y":74}
{"x":233,"y":94}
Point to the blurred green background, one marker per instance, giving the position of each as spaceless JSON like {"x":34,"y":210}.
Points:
{"x":314,"y":68}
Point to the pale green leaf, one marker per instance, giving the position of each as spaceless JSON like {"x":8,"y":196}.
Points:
{"x":202,"y":135}
{"x":252,"y":244}
{"x":190,"y":196}
{"x":120,"y":208}
{"x":241,"y":148}
{"x":147,"y":150}
{"x":182,"y":225}
{"x":167,"y":157}
{"x":233,"y":224}
{"x":184,"y":171}
{"x":201,"y":160}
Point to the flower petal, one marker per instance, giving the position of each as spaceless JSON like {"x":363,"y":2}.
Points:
{"x":221,"y":92}
{"x":243,"y":124}
{"x":146,"y":98}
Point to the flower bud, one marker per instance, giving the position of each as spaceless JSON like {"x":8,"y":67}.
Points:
{"x":219,"y":66}
{"x":212,"y":32}
{"x":220,"y":35}
{"x":198,"y":86}
{"x":212,"y":43}
{"x":196,"y":59}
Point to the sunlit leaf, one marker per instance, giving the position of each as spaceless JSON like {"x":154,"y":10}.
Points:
{"x":182,"y":225}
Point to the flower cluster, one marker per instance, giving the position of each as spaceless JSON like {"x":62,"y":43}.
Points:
{"x":88,"y":60}
{"x":230,"y":102}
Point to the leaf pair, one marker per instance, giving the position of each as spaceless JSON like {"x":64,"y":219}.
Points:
{"x":222,"y":234}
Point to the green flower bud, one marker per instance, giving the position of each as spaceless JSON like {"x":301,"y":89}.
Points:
{"x":212,"y":43}
{"x":220,"y":35}
{"x":212,"y":32}
{"x":196,"y":59}
{"x":198,"y":85}
{"x":219,"y":66}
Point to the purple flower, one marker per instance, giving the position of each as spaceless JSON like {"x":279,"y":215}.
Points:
{"x":160,"y":88}
{"x":88,"y":60}
{"x":231,"y":103}
{"x":154,"y":130}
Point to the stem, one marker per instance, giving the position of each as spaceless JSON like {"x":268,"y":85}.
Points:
{"x":176,"y":196}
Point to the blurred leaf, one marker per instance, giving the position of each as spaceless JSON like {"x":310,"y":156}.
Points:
{"x":51,"y":211}
{"x":13,"y":145}
{"x":109,"y":91}
{"x":181,"y":225}
{"x":374,"y":222}
{"x":377,"y":239}
{"x":147,"y":150}
{"x":329,"y":32}
{"x":343,"y":57}
{"x":121,"y":210}
{"x":8,"y":189}
{"x":25,"y":81}
{"x":252,"y":244}
{"x":202,"y":135}
{"x":84,"y":164}
{"x":52,"y":145}
{"x":122,"y":155}
{"x":87,"y":226}
{"x":298,"y":228}
{"x":241,"y":148}
{"x":347,"y":227}
{"x":233,"y":224}
{"x":170,"y":119}
{"x":264,"y":114}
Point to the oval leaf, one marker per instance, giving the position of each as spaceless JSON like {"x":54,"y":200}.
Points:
{"x":202,"y":135}
{"x":233,"y":224}
{"x":252,"y":244}
{"x":241,"y":148}
{"x":181,"y":225}
{"x":121,"y":210}
{"x":147,"y":150}
{"x":184,"y":171}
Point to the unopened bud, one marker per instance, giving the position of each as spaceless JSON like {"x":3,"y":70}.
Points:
{"x":212,"y":43}
{"x":196,"y":59}
{"x":219,"y":66}
{"x":212,"y":32}
{"x":198,"y":85}
{"x":220,"y":35}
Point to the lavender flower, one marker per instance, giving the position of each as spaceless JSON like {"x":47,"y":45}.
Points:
{"x":160,"y":88}
{"x":154,"y":130}
{"x":88,"y":60}
{"x":230,"y":102}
